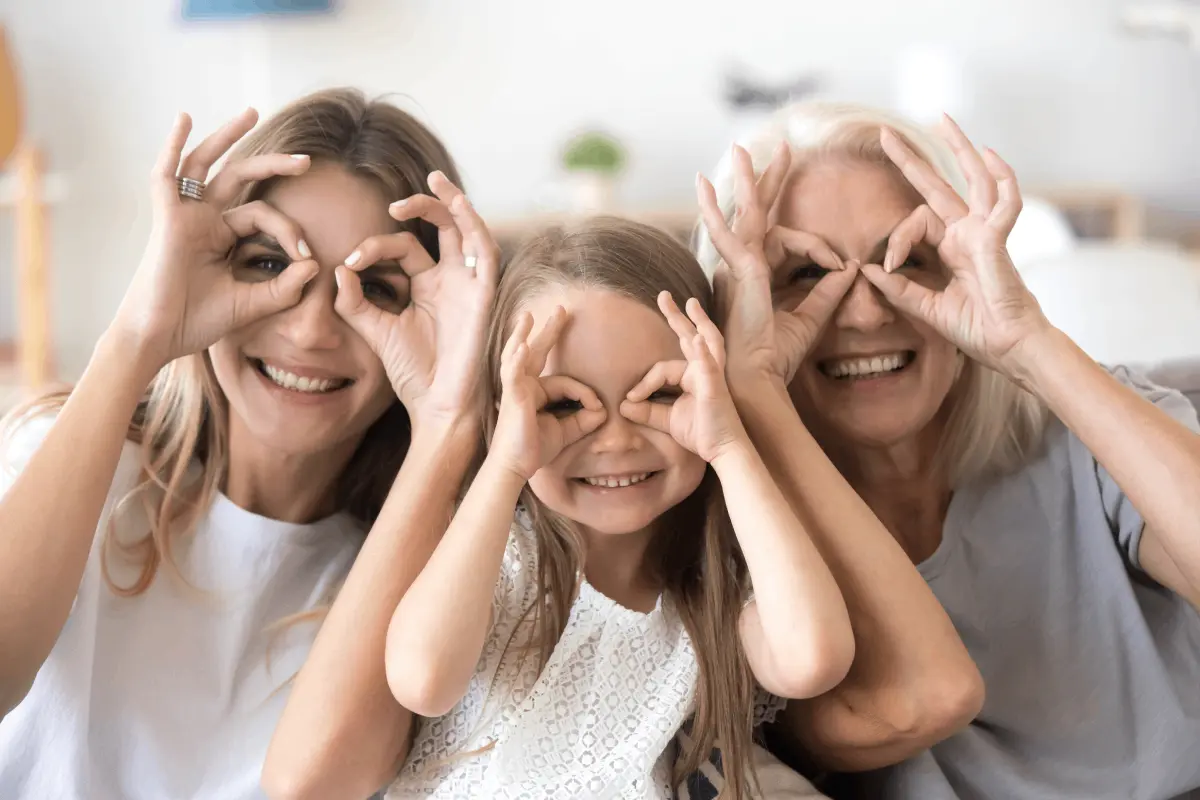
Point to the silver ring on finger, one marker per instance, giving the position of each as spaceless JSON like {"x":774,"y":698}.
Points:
{"x":470,"y":262}
{"x":190,"y":188}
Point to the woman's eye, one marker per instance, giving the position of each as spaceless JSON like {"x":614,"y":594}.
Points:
{"x":564,"y":407}
{"x":261,"y":268}
{"x":911,"y":262}
{"x":379,"y":290}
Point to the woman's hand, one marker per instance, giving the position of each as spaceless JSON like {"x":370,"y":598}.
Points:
{"x":539,"y":417}
{"x":689,"y":399}
{"x":760,"y":339}
{"x":985,"y":308}
{"x":184,"y":297}
{"x":432,"y":348}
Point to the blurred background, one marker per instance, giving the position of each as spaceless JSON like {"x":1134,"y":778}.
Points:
{"x":555,"y":107}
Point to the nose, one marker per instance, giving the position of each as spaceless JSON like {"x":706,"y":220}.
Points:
{"x":616,"y":435}
{"x":312,"y":324}
{"x":863,"y":308}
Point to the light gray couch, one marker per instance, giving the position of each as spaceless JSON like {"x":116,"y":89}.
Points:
{"x":1183,"y":374}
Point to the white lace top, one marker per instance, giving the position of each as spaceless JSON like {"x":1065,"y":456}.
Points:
{"x":598,"y":722}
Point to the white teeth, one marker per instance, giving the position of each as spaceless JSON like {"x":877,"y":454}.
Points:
{"x":616,"y":483}
{"x":289,"y":380}
{"x":867,"y":367}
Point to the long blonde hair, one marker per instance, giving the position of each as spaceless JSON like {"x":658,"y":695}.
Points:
{"x":994,"y":426}
{"x":182,"y":421}
{"x":695,"y":554}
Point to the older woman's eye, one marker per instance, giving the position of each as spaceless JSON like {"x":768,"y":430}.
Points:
{"x":806,"y":272}
{"x":564,"y":407}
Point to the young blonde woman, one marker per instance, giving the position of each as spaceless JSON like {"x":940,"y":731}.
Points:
{"x":1051,"y":504}
{"x":287,"y":341}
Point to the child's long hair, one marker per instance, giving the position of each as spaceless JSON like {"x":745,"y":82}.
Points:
{"x":695,"y":555}
{"x":181,"y":423}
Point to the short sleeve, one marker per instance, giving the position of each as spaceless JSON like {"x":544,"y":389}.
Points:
{"x":766,"y":707}
{"x":1126,"y":521}
{"x":18,"y":446}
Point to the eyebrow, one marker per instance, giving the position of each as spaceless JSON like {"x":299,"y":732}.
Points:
{"x":260,"y":240}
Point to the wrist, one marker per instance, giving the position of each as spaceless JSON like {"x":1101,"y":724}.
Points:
{"x":129,"y":352}
{"x":504,"y":474}
{"x":733,"y":455}
{"x":1035,"y":357}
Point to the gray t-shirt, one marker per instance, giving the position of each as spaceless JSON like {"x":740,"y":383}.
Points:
{"x":1092,"y":669}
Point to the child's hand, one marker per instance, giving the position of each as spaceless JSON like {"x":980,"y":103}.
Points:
{"x":539,"y":416}
{"x":689,"y":399}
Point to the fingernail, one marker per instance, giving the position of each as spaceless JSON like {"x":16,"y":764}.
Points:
{"x":353,"y":258}
{"x":887,"y":263}
{"x":299,"y":156}
{"x":437,"y":173}
{"x":337,"y":278}
{"x":400,"y":203}
{"x":302,"y":246}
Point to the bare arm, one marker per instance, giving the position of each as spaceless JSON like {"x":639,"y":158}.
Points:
{"x":440,"y":626}
{"x":912,"y":683}
{"x":796,"y":631}
{"x":44,"y":542}
{"x":342,"y":734}
{"x":1152,"y":457}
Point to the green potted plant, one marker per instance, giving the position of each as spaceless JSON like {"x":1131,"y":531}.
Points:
{"x":593,"y":160}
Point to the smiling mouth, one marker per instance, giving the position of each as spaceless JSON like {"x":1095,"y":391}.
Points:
{"x":617,"y":481}
{"x":850,"y":369}
{"x":296,"y":383}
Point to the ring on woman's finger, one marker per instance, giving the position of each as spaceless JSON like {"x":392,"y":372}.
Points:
{"x":470,"y":262}
{"x":190,"y":188}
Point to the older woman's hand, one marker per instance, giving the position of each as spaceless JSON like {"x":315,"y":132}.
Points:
{"x":985,"y":307}
{"x":760,"y":339}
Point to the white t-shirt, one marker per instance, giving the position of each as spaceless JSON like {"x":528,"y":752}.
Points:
{"x":598,"y":722}
{"x":175,"y":693}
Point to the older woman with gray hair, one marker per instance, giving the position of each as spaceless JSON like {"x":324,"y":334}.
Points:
{"x":1052,"y":505}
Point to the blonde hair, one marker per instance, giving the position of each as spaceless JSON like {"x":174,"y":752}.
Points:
{"x":994,"y":425}
{"x":695,"y":554}
{"x":182,"y":421}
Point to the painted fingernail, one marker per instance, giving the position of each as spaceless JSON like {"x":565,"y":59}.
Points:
{"x":437,"y":173}
{"x":300,"y":156}
{"x":887,"y":263}
{"x":400,"y":203}
{"x":353,"y":258}
{"x":302,"y":246}
{"x":337,"y":278}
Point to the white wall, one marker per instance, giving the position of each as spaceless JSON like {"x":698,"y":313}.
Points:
{"x":1057,"y":88}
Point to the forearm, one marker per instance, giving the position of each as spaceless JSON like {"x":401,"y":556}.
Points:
{"x":798,"y":619}
{"x":1152,"y":457}
{"x":440,"y":626}
{"x":49,"y":516}
{"x":342,"y":734}
{"x":907,"y":652}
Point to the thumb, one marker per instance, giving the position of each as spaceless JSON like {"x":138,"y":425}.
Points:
{"x":257,"y":300}
{"x":908,"y":296}
{"x":363,"y":316}
{"x":649,"y":413}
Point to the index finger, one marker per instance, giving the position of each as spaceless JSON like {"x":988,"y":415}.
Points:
{"x":772,"y":178}
{"x":436,"y":213}
{"x":937,"y":193}
{"x":197,"y":163}
{"x":166,"y":166}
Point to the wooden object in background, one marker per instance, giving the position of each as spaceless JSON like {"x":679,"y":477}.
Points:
{"x":33,"y":307}
{"x":10,"y":101}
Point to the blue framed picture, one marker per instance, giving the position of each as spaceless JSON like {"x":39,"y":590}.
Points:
{"x":235,"y":9}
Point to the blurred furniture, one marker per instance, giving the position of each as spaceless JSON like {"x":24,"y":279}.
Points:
{"x":25,"y":363}
{"x":1123,"y":303}
{"x":1099,"y":213}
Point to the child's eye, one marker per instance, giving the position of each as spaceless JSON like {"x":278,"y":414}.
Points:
{"x":666,"y":395}
{"x":563,"y":408}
